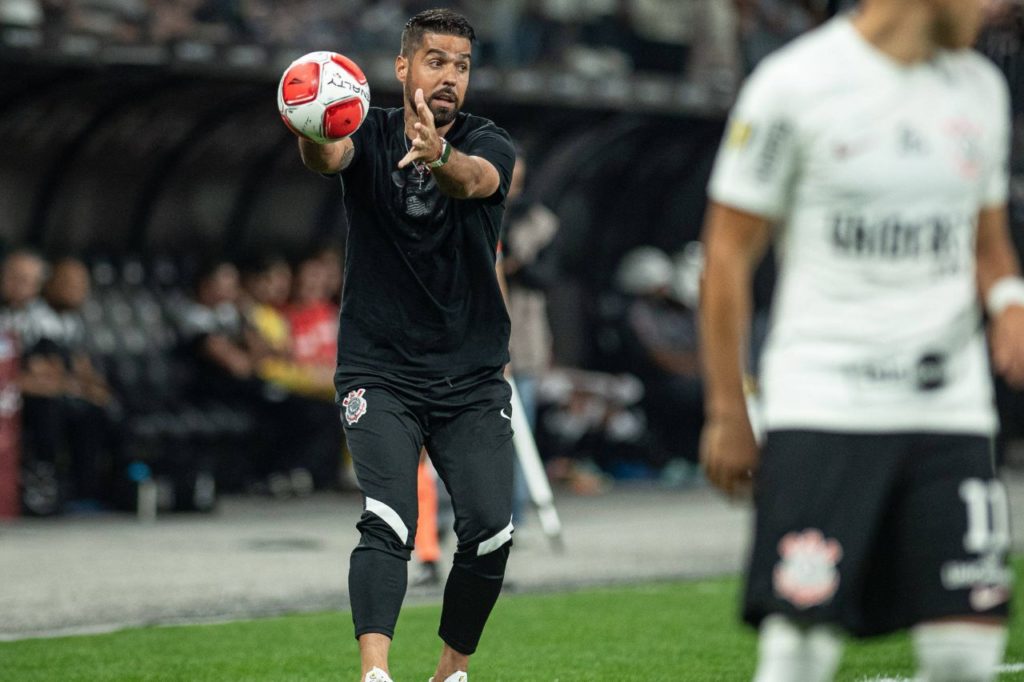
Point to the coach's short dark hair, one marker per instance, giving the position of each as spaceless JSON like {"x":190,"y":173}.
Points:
{"x":442,"y":21}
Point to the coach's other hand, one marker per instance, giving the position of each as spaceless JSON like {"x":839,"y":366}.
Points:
{"x":1007,"y":339}
{"x":729,"y":453}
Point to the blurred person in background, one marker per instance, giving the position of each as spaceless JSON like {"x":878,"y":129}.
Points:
{"x":66,"y":433}
{"x":265,"y":283}
{"x":226,"y":353}
{"x":424,"y":338}
{"x":529,"y":270}
{"x":661,"y":343}
{"x":312,"y":315}
{"x":878,"y":145}
{"x":308,"y":406}
{"x":87,"y":396}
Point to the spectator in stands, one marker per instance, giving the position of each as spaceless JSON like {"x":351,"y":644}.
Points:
{"x":662,"y":344}
{"x":66,"y":292}
{"x":309,"y":404}
{"x":66,"y":433}
{"x":313,"y":316}
{"x":529,"y":270}
{"x":226,"y":352}
{"x":262,"y":281}
{"x":529,"y":229}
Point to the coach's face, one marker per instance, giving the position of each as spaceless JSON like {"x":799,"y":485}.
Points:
{"x":440,"y":66}
{"x":958,"y":22}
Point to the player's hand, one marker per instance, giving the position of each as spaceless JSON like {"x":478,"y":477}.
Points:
{"x":729,"y":454}
{"x":426,"y":146}
{"x":1007,"y":339}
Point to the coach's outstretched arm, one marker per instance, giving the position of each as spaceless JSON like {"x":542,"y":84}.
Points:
{"x":458,"y":175}
{"x":1002,"y":289}
{"x":734,"y":243}
{"x":330,"y":158}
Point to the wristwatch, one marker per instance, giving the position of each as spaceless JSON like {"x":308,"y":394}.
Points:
{"x":446,"y":152}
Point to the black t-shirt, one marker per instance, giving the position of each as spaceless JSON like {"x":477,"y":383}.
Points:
{"x":420,"y":290}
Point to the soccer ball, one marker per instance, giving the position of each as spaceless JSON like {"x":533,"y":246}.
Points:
{"x":323,"y":96}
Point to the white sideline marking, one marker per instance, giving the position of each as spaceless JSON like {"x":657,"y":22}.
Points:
{"x":1003,"y":669}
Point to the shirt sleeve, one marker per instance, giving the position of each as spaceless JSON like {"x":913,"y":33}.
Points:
{"x":494,"y":145}
{"x":996,"y":181}
{"x":757,"y":160}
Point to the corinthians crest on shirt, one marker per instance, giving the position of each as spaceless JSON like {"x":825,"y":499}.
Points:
{"x":354,"y":405}
{"x":806,"y":575}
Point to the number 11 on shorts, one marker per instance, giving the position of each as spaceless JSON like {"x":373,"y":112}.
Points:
{"x":988,"y":516}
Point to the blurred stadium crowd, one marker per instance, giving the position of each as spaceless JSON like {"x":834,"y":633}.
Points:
{"x":200,"y":374}
{"x":132,"y":371}
{"x":619,"y":36}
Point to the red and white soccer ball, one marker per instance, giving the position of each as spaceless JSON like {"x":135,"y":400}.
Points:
{"x":323,"y":96}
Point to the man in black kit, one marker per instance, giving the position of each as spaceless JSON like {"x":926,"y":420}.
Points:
{"x":424,"y":337}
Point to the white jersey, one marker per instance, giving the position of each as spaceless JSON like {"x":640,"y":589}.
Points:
{"x":875,"y":173}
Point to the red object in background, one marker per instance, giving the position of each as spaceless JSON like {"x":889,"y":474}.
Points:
{"x":314,"y":332}
{"x":10,"y":428}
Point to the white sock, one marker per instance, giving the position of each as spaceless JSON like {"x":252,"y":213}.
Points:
{"x":958,"y":651}
{"x":788,"y":652}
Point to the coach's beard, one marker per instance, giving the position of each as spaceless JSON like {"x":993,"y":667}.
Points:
{"x":444,"y":112}
{"x":443,"y":115}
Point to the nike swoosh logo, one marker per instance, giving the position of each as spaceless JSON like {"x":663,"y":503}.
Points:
{"x":505,"y":415}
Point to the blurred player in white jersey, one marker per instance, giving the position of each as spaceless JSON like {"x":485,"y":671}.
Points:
{"x":874,"y":151}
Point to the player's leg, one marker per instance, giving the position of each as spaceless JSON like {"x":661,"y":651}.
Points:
{"x":955,"y":535}
{"x":385,"y":439}
{"x":790,"y":651}
{"x":472,"y":450}
{"x":819,"y":499}
{"x":959,"y":650}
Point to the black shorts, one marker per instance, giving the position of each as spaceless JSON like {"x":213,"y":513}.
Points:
{"x":465,"y":424}
{"x":876,"y":533}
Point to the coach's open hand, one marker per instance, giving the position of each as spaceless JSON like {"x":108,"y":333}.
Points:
{"x":426,"y":146}
{"x":1007,"y":338}
{"x":729,"y":453}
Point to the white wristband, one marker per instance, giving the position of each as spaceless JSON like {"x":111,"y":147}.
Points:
{"x":1007,"y":291}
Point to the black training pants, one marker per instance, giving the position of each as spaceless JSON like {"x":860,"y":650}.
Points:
{"x":464,"y":422}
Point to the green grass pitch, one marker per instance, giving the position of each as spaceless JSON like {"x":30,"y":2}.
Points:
{"x":673,"y":632}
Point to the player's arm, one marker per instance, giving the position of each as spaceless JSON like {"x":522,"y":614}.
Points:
{"x":1002,"y":289}
{"x":330,"y":158}
{"x":467,"y":177}
{"x":460,"y":176}
{"x":734,"y":243}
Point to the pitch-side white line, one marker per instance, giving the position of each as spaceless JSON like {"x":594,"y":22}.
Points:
{"x":1006,"y":668}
